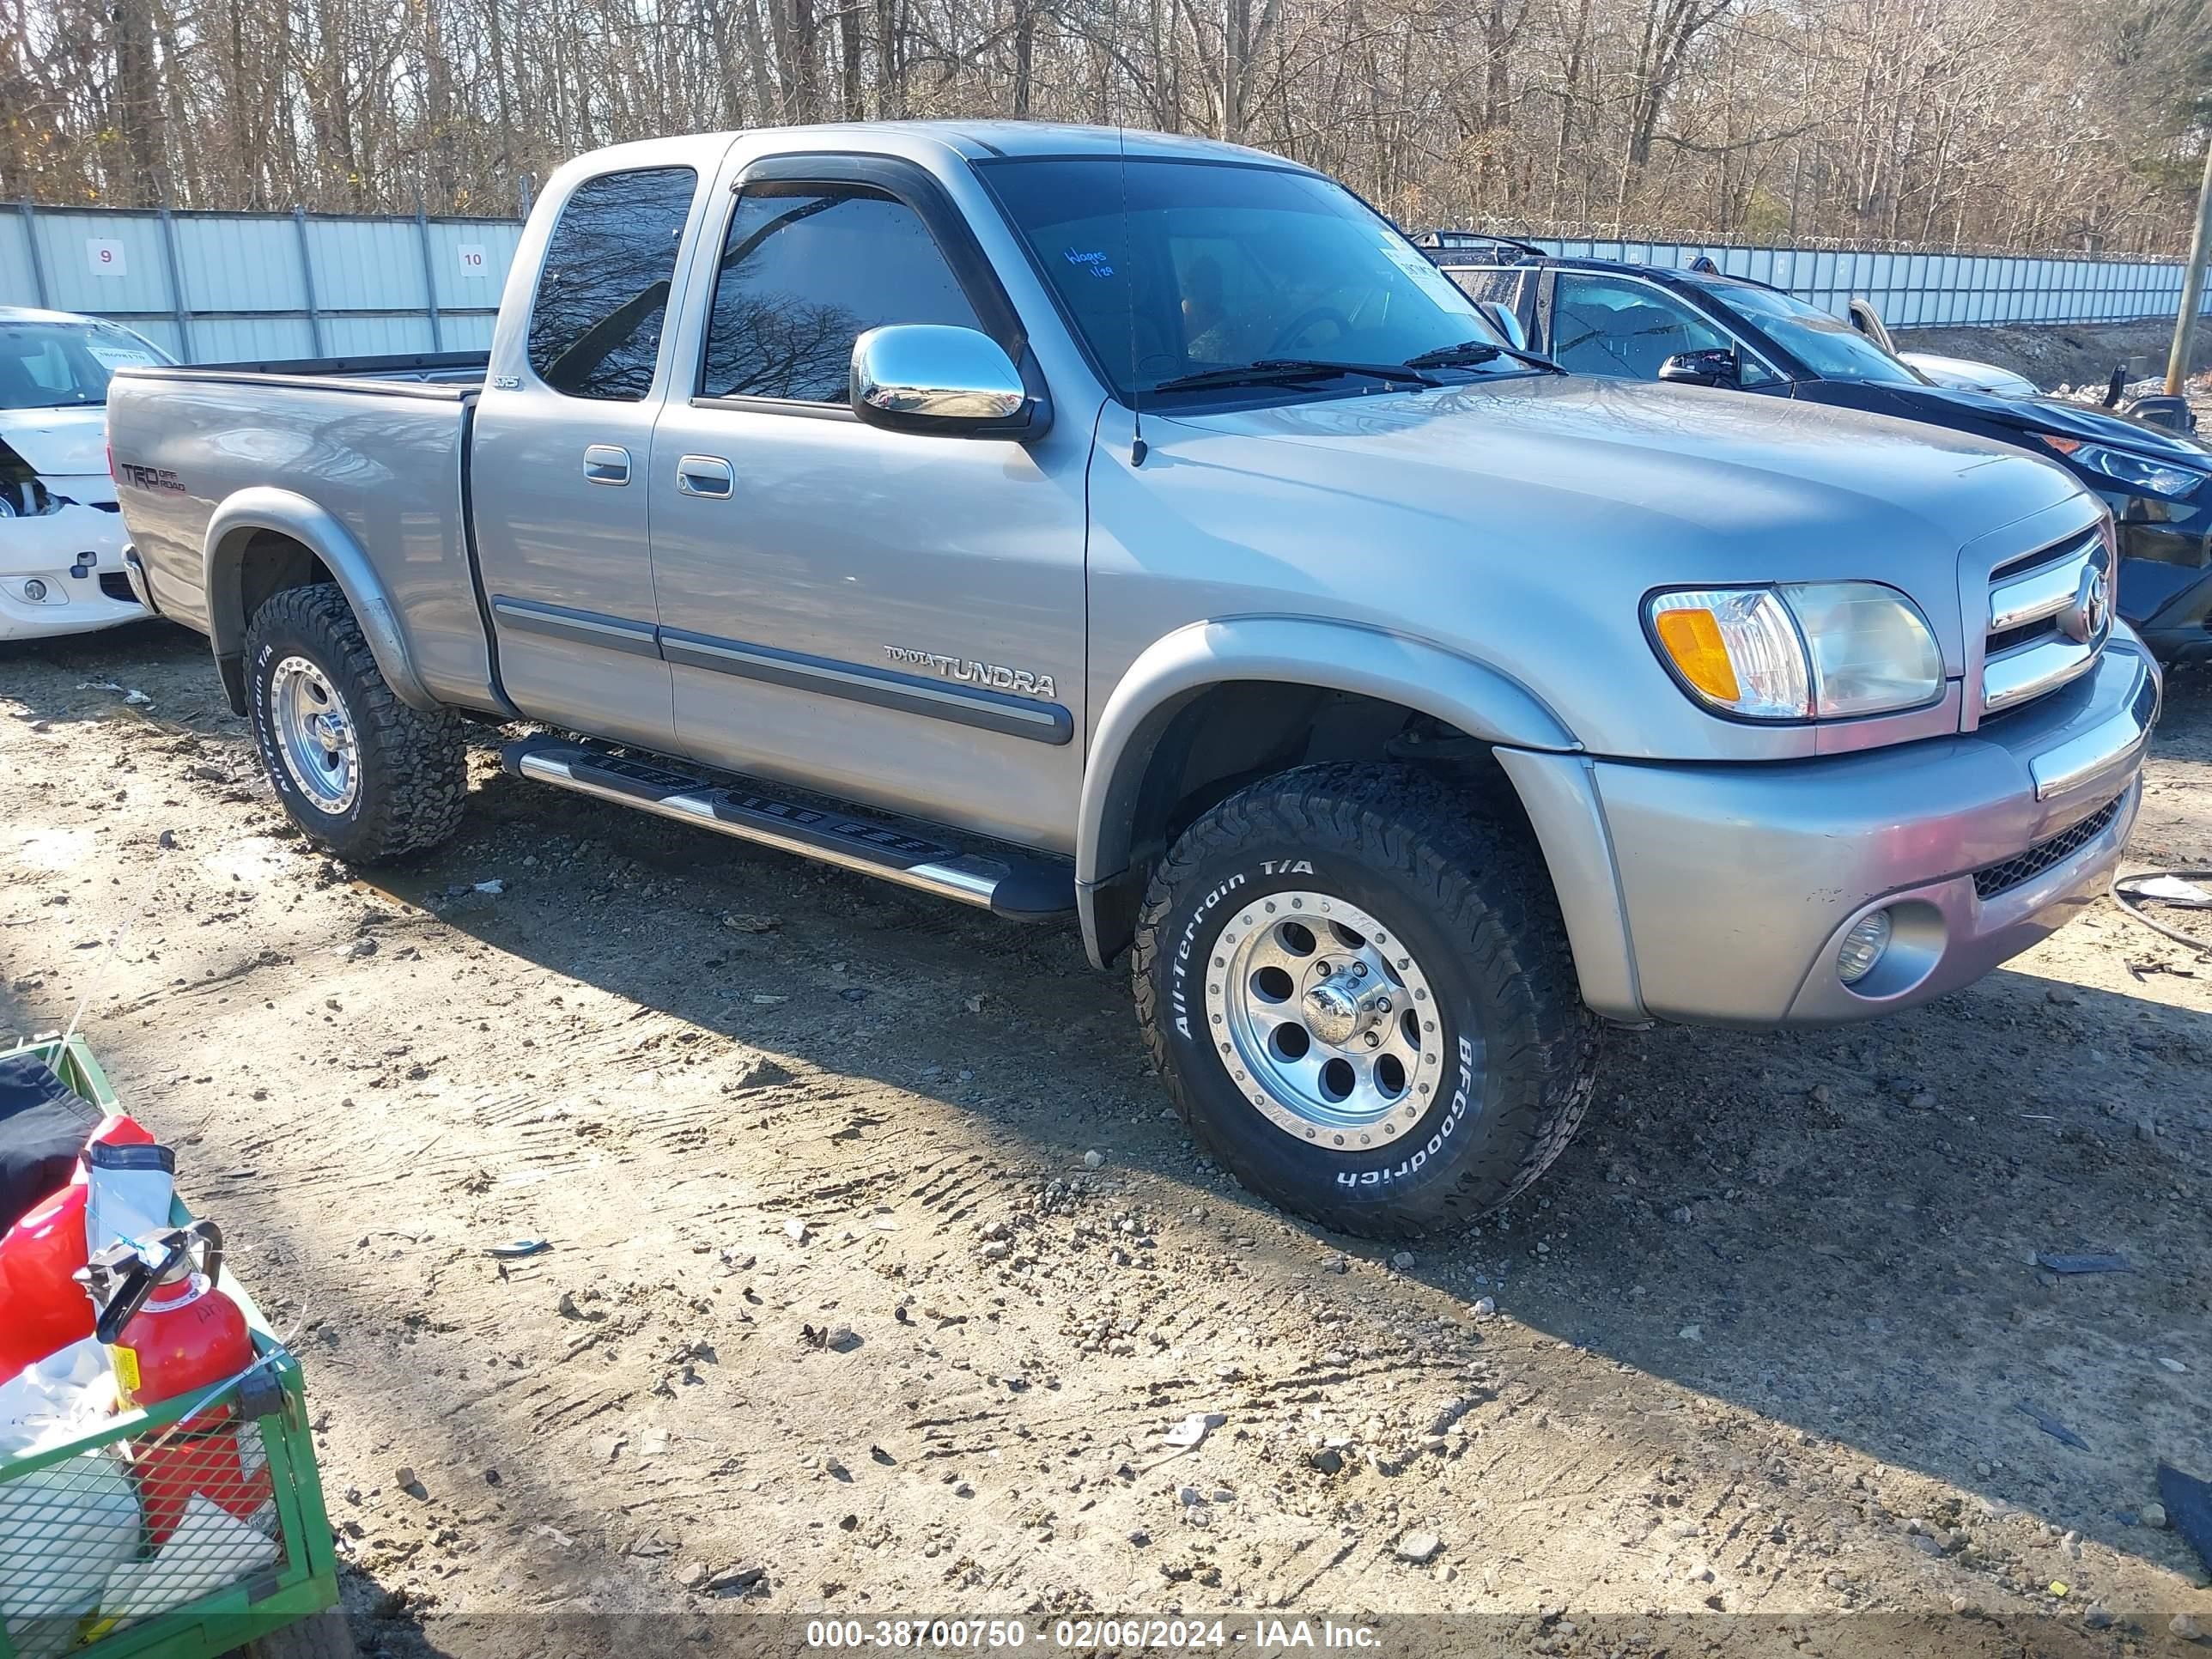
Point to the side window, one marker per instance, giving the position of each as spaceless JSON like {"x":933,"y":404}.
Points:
{"x":595,"y":324}
{"x":1617,"y":327}
{"x":806,"y":270}
{"x":1480,"y":282}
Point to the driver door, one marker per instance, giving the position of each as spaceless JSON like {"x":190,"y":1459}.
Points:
{"x":894,"y":617}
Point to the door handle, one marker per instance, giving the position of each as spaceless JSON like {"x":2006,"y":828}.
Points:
{"x":707,"y":476}
{"x":606,"y":464}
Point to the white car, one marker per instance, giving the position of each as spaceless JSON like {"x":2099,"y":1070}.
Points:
{"x":1965,"y":373}
{"x":61,"y":536}
{"x":1968,"y":375}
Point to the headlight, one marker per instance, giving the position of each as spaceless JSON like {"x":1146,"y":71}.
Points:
{"x":1801,"y":651}
{"x":2136,"y":471}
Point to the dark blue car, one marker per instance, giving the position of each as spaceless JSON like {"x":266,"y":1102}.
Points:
{"x":1646,"y":322}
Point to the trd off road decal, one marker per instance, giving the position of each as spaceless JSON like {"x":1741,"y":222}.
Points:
{"x":1435,"y":1144}
{"x":148,"y":477}
{"x":1176,"y":991}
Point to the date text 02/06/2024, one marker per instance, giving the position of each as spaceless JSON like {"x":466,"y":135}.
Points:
{"x":1086,"y":1635}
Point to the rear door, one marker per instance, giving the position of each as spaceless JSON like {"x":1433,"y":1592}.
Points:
{"x":894,"y":617}
{"x":563,"y":437}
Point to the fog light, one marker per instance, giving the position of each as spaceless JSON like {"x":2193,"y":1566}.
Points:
{"x":1863,"y":947}
{"x":35,"y":591}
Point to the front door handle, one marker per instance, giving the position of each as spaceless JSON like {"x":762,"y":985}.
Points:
{"x":607,"y":464}
{"x":705,"y":476}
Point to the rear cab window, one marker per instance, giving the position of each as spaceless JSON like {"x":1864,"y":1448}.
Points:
{"x":602,"y":299}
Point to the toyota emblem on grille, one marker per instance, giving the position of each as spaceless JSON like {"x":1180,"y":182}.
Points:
{"x":2086,"y":618}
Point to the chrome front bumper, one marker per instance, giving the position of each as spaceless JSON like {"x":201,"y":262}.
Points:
{"x":1733,"y":886}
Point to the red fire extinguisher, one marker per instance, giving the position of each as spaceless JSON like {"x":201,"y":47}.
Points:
{"x":172,"y":1331}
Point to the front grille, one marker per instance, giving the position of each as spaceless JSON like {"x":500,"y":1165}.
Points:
{"x":2038,"y":636}
{"x":116,"y":587}
{"x":2045,"y":855}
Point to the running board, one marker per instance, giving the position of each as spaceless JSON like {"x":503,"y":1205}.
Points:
{"x":1017,"y":890}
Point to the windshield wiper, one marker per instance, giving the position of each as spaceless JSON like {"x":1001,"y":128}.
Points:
{"x":1465,"y":355}
{"x":1467,"y":352}
{"x":1288,"y":371}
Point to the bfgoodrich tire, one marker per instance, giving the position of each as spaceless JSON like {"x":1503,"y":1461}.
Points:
{"x":1362,"y":1000}
{"x":356,"y":769}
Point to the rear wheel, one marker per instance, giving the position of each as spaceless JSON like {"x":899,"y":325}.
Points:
{"x":356,"y":769}
{"x":1362,"y":1001}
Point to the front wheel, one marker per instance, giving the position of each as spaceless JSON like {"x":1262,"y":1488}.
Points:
{"x":1362,"y":1000}
{"x":356,"y":769}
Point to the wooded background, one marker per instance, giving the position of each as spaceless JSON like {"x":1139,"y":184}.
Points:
{"x":1994,"y":123}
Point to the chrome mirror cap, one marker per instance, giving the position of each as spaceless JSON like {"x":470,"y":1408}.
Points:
{"x":930,"y":377}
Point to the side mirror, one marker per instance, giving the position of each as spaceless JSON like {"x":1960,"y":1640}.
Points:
{"x":929,"y":377}
{"x":1716,"y":368}
{"x":1507,"y":323}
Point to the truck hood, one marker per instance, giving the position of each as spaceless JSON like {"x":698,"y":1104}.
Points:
{"x":59,"y":443}
{"x":1680,"y":464}
{"x":1523,"y":523}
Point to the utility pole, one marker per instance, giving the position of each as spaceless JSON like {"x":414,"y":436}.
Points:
{"x":2193,"y":285}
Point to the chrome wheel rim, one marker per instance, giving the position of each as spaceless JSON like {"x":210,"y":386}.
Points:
{"x":315,"y":735}
{"x":1325,"y":1020}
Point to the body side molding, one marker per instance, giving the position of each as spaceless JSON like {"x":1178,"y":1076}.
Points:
{"x":987,"y":710}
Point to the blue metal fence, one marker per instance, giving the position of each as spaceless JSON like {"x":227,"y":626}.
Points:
{"x":223,"y":286}
{"x":228,"y":287}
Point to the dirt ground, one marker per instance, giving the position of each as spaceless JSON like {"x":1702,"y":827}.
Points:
{"x":879,"y":1270}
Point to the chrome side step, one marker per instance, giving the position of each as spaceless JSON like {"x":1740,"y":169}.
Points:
{"x":1020,"y":890}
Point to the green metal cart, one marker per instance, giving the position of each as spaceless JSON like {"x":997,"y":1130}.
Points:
{"x":86,"y":1567}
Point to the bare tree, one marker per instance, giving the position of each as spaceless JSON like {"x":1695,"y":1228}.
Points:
{"x":1998,"y":122}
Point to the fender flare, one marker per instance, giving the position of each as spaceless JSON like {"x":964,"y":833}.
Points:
{"x":1337,"y":656}
{"x":285,"y":513}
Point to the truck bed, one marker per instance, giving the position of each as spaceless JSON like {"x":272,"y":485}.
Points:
{"x":378,"y":445}
{"x":456,"y":372}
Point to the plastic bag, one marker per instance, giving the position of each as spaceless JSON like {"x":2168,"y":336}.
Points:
{"x":67,"y":1393}
{"x":64,"y":1530}
{"x":209,"y":1551}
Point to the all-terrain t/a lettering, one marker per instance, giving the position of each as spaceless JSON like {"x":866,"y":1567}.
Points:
{"x":1183,"y":951}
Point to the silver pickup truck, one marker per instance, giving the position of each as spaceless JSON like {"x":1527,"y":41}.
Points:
{"x":1069,"y":521}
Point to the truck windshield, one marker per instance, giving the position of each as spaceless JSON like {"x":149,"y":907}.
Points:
{"x":1828,"y":345}
{"x":64,"y":365}
{"x":1187,"y":268}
